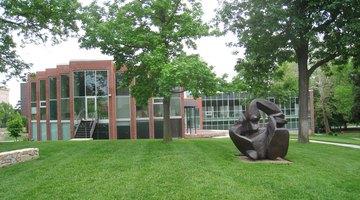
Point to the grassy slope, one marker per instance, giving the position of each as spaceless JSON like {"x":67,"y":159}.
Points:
{"x":182,"y":169}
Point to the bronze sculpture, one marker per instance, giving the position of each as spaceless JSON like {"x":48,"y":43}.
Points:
{"x":257,"y":143}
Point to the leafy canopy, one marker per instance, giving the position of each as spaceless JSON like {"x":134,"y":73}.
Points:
{"x":309,"y":32}
{"x":33,"y":21}
{"x":148,"y":37}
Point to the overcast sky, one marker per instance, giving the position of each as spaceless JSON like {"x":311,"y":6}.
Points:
{"x":212,"y":49}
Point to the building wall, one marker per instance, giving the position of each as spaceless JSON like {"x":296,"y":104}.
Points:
{"x":81,"y":87}
{"x":24,"y":99}
{"x":4,"y":94}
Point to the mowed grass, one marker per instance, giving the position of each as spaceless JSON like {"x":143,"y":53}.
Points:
{"x":346,"y":138}
{"x":182,"y":169}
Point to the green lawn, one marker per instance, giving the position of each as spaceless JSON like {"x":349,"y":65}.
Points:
{"x":346,"y":138}
{"x":182,"y":169}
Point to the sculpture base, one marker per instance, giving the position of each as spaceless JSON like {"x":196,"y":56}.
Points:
{"x":245,"y":159}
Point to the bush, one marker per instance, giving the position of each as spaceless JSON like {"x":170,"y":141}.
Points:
{"x":15,"y":125}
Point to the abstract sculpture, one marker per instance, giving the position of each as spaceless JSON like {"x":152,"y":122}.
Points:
{"x":257,"y":143}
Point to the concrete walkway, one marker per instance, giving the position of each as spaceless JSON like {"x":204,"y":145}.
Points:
{"x":337,"y":144}
{"x":315,"y":141}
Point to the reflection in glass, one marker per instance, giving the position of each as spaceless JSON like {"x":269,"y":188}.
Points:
{"x":102,"y":107}
{"x":65,"y":87}
{"x":90,"y":83}
{"x":142,"y":111}
{"x":65,"y":109}
{"x":42,"y":90}
{"x":79,"y":84}
{"x":119,"y":90}
{"x":53,"y":110}
{"x":175,"y":107}
{"x":123,"y":107}
{"x":90,"y":102}
{"x":101,"y":83}
{"x":33,"y":92}
{"x":79,"y":107}
{"x":52,"y":84}
{"x":158,"y":110}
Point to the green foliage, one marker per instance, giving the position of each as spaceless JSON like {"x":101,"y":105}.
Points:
{"x":148,"y":38}
{"x":15,"y":125}
{"x":34,"y":21}
{"x":311,"y":33}
{"x":183,"y":169}
{"x":7,"y":113}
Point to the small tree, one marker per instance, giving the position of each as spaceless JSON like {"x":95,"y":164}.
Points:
{"x":15,"y":126}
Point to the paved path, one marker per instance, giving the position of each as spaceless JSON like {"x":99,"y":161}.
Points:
{"x":317,"y":141}
{"x":337,"y":144}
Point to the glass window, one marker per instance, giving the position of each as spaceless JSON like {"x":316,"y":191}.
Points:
{"x":33,"y":92}
{"x":42,"y":113}
{"x":158,"y":107}
{"x":53,"y":110}
{"x":65,"y":87}
{"x":43,"y":131}
{"x":123,"y":130}
{"x":65,"y":130}
{"x":54,"y":131}
{"x":34,"y":131}
{"x":175,"y":107}
{"x":65,"y":109}
{"x":90,"y":83}
{"x":123,"y":107}
{"x":79,"y":84}
{"x":142,"y":111}
{"x":119,"y":90}
{"x":101,"y":83}
{"x":42,"y":90}
{"x":102,"y":107}
{"x":79,"y":107}
{"x":52,"y":84}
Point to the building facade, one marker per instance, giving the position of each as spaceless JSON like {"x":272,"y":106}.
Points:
{"x":4,"y":94}
{"x":83,"y":99}
{"x":221,"y":111}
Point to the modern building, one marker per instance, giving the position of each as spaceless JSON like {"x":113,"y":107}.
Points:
{"x":83,"y":100}
{"x":221,"y":111}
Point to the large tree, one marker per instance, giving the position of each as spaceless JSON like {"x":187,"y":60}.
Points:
{"x":309,"y":32}
{"x":148,"y":38}
{"x":32,"y":21}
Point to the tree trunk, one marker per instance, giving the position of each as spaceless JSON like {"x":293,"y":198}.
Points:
{"x":326,"y":121}
{"x":167,"y":122}
{"x":302,"y":57}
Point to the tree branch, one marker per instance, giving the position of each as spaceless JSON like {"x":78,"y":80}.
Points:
{"x":174,"y":12}
{"x":6,"y":21}
{"x":322,"y":62}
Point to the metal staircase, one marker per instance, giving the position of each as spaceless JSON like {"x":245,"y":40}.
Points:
{"x":86,"y":127}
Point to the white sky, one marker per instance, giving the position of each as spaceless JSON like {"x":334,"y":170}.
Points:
{"x":213,"y":50}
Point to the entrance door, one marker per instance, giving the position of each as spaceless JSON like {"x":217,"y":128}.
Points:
{"x":90,"y":107}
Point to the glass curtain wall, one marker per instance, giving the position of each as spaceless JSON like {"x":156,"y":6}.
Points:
{"x":222,"y":111}
{"x":43,"y":105}
{"x":65,"y":106}
{"x":122,"y":109}
{"x":91,"y":99}
{"x":53,"y":108}
{"x":33,"y":111}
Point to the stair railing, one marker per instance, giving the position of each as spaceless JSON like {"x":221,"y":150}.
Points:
{"x":77,"y":119}
{"x":93,"y":124}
